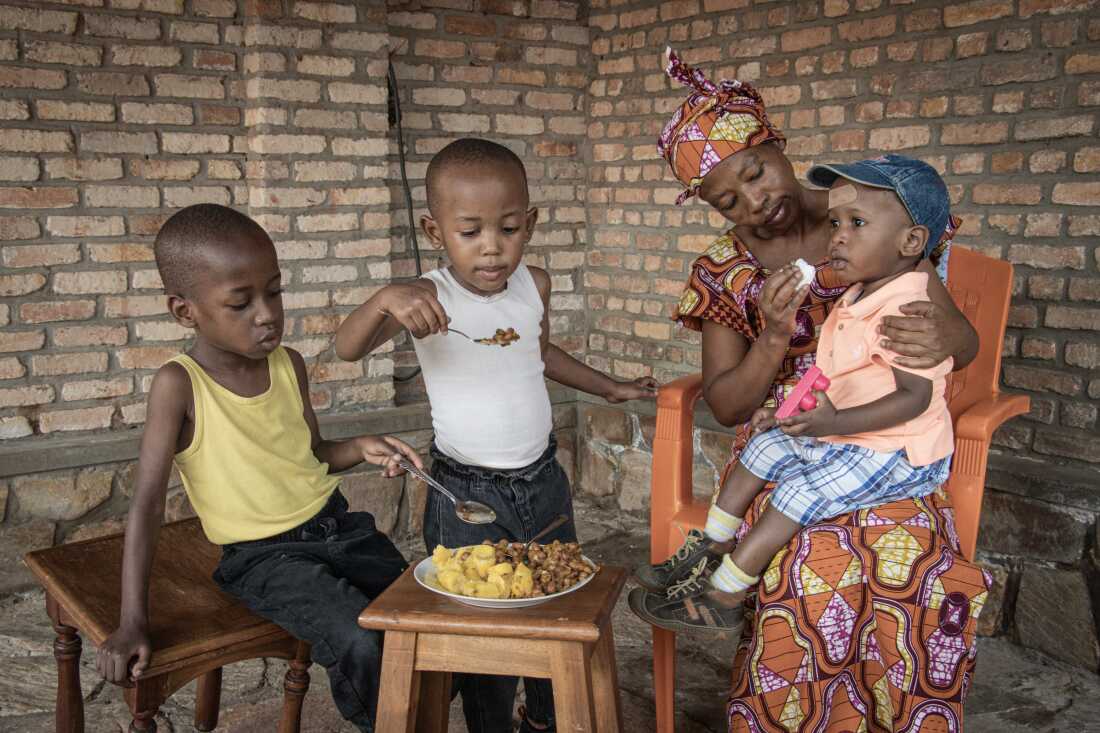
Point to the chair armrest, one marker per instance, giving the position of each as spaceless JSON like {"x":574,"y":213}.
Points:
{"x":673,"y":446}
{"x":680,"y":394}
{"x":966,"y":485}
{"x":983,"y":417}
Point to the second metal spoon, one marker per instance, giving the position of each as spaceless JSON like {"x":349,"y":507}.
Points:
{"x":471,"y":512}
{"x":559,"y":521}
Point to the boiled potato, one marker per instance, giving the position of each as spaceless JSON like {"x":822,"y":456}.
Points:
{"x":451,"y":581}
{"x":502,"y":582}
{"x":502,"y":568}
{"x":483,"y":551}
{"x":487,"y":590}
{"x":440,"y":556}
{"x":522,"y":582}
{"x":483,"y":564}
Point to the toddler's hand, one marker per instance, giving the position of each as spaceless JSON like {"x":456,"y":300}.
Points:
{"x":814,"y":423}
{"x":642,"y":388}
{"x":763,"y":419}
{"x":386,"y":452}
{"x":113,"y":658}
{"x":414,"y":308}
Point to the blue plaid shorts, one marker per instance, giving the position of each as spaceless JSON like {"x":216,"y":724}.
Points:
{"x":816,"y":480}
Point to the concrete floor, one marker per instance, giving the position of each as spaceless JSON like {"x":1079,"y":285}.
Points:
{"x":1015,"y":690}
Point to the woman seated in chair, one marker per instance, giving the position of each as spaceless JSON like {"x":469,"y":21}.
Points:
{"x":865,"y":621}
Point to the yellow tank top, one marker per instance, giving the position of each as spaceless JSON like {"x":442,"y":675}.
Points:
{"x":250,"y":472}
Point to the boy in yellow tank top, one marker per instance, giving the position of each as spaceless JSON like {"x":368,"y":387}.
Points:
{"x":234,"y":416}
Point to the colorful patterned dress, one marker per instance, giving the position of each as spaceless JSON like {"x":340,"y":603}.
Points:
{"x":864,"y":623}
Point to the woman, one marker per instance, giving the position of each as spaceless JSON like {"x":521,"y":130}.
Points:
{"x":863,"y":623}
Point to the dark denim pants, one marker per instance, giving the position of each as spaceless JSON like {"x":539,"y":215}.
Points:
{"x":525,"y":500}
{"x":314,"y":580}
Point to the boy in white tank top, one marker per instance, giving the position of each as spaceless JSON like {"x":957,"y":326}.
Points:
{"x":490,"y":406}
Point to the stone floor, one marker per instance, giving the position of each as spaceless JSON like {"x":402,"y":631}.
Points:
{"x":1016,"y":690}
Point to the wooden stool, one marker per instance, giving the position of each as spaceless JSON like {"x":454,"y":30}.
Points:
{"x":429,"y":636}
{"x":195,"y":628}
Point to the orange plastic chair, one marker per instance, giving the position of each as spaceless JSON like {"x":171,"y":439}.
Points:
{"x":981,"y":288}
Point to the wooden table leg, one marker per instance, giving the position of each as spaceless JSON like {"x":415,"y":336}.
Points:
{"x":69,"y":713}
{"x":572,"y":679}
{"x":208,"y":696}
{"x":144,"y":722}
{"x":605,"y":684}
{"x":143,"y":699}
{"x":434,"y":710}
{"x":295,"y":686}
{"x":400,"y":691}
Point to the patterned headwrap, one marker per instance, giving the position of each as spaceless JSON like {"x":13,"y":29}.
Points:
{"x":715,"y":122}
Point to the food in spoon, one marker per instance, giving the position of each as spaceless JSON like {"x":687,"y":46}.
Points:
{"x":474,"y":513}
{"x":502,"y":337}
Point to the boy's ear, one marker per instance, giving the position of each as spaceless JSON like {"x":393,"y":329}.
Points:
{"x":912,"y":243}
{"x":431,"y":230}
{"x":182,"y":310}
{"x":532,"y":219}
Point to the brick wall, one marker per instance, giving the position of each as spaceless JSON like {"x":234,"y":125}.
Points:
{"x":1001,"y":96}
{"x":112,"y":119}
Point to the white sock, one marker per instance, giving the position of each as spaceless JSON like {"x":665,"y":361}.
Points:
{"x":721,"y":525}
{"x":730,"y":578}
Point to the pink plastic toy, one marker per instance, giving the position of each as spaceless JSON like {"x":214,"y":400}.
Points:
{"x":801,"y":397}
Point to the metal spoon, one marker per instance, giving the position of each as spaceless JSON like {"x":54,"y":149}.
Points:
{"x":471,"y":512}
{"x":460,"y":333}
{"x":479,"y":342}
{"x":561,"y":519}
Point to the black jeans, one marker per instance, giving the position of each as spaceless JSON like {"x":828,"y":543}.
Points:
{"x":314,"y":580}
{"x":525,"y":500}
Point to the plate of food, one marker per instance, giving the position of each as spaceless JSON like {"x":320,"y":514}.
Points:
{"x":490,"y":575}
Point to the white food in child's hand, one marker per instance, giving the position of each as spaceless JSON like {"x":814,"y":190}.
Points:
{"x":807,"y":272}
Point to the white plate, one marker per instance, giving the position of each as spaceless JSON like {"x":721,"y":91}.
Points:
{"x":424,"y":569}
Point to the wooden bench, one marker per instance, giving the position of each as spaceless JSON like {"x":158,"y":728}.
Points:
{"x":195,"y":628}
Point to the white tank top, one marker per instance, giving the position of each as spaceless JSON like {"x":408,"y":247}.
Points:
{"x":490,"y":406}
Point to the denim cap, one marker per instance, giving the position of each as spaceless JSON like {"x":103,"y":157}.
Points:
{"x":919,"y":187}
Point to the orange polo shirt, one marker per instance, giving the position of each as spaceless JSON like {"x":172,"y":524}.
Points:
{"x":860,"y":371}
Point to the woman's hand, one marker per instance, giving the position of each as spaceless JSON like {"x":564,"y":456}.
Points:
{"x":779,"y":301}
{"x":815,"y":423}
{"x":923,"y":337}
